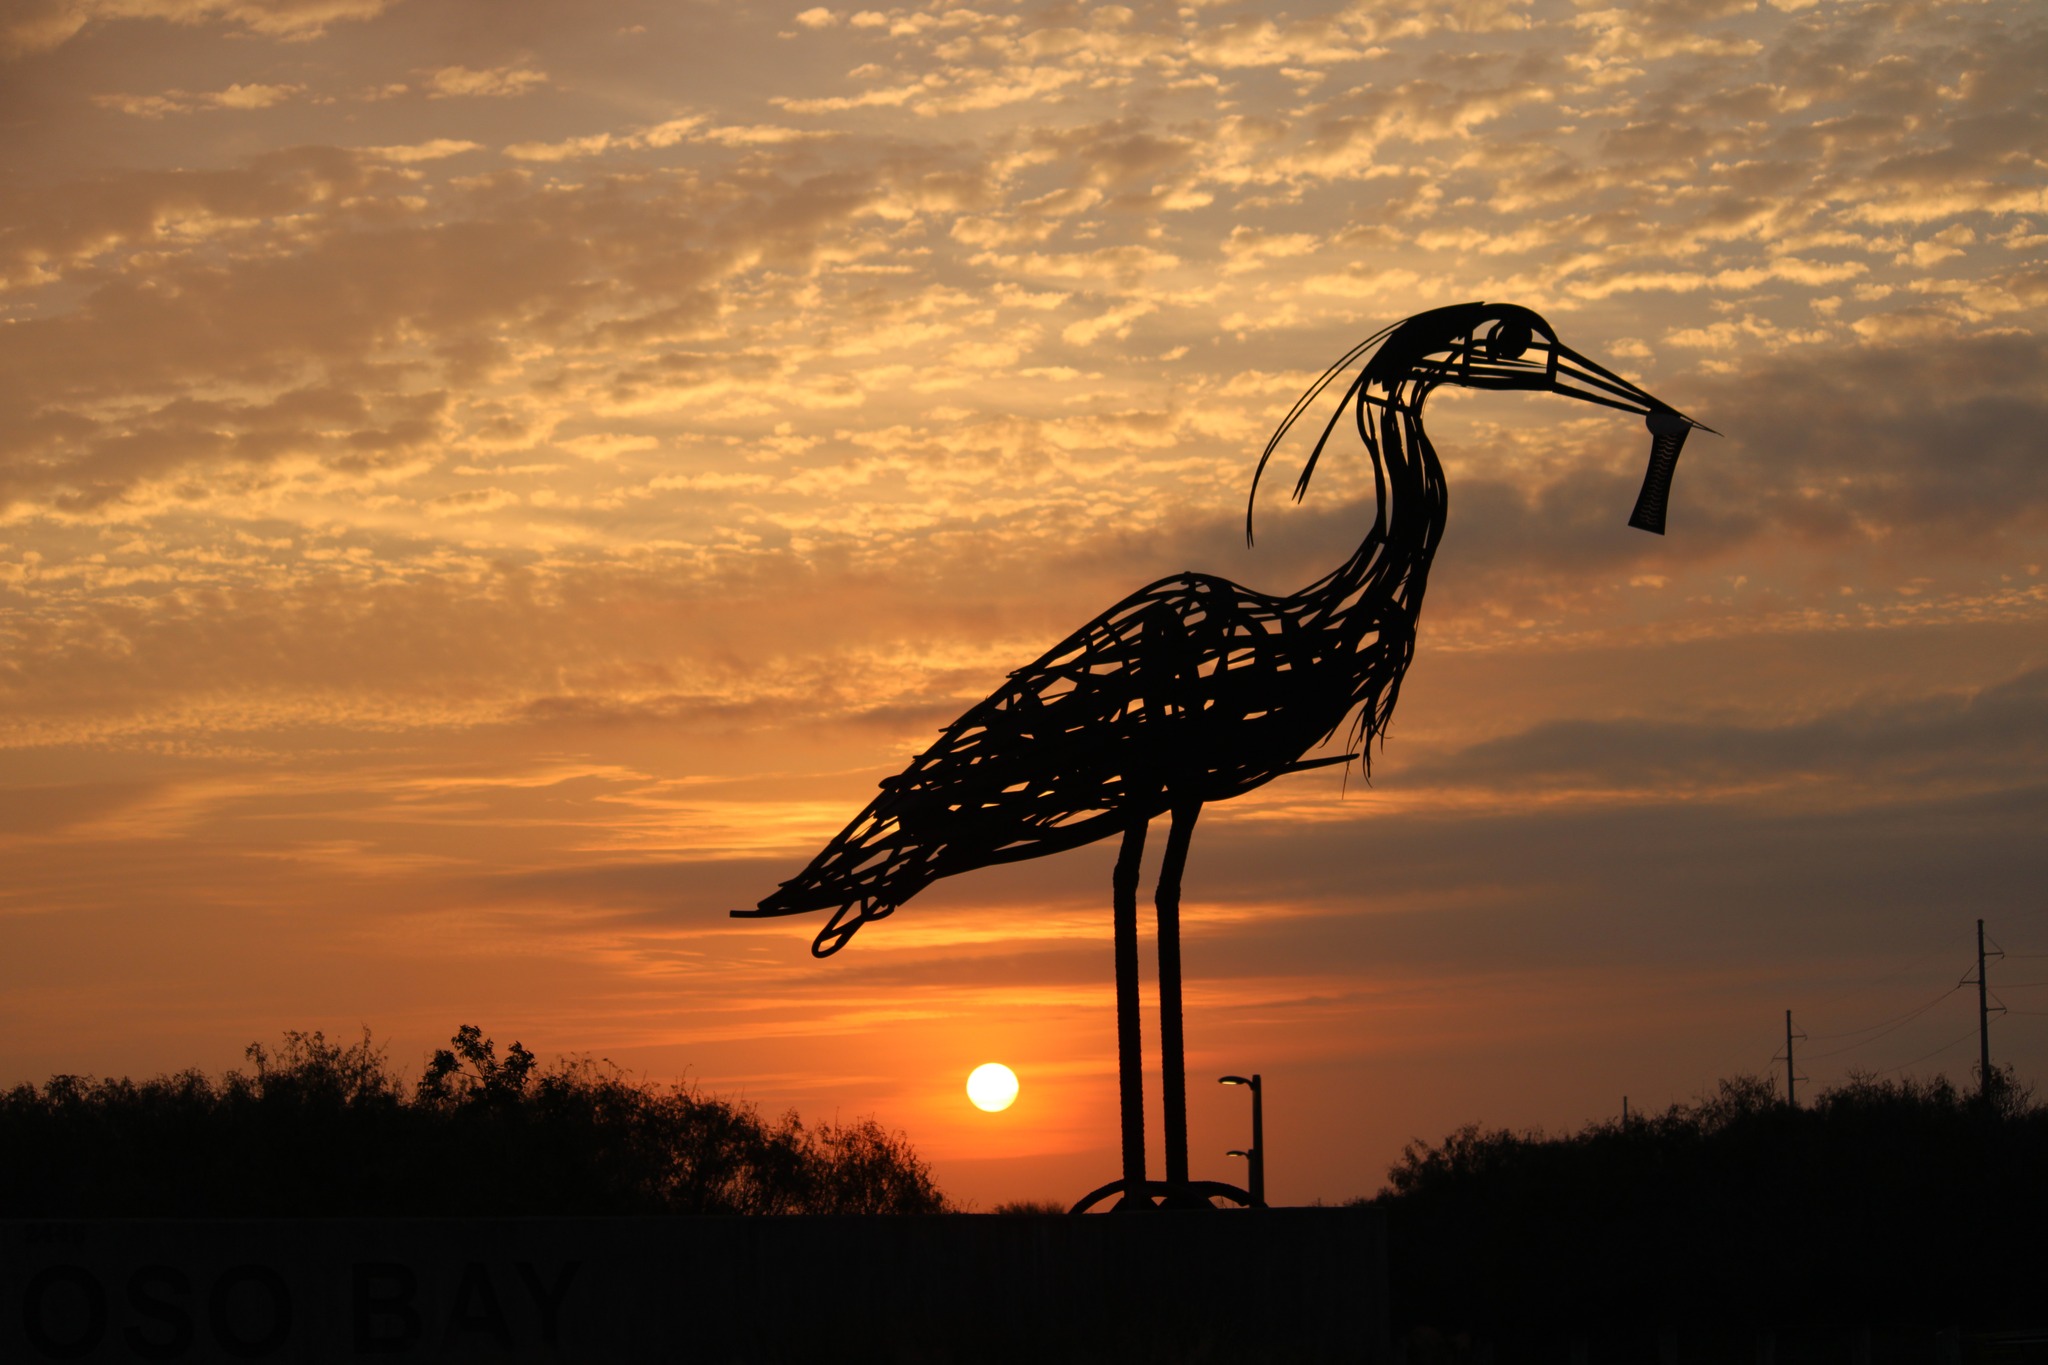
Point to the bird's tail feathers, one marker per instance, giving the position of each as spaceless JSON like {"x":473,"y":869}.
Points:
{"x":846,"y":922}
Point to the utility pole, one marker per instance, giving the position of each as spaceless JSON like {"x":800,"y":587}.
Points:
{"x":1984,"y":1073}
{"x":1791,"y":1094}
{"x":1791,"y":1077}
{"x":1983,"y":1020}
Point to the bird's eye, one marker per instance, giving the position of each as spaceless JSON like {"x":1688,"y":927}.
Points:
{"x":1508,"y":340}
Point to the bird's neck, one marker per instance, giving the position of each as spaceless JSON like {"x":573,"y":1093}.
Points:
{"x":1371,"y":602}
{"x":1392,"y":561}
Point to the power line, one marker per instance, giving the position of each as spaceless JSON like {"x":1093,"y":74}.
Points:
{"x":1897,"y":1018}
{"x":1987,"y":1006}
{"x":1959,"y":1038}
{"x":1888,"y":1026}
{"x":1918,"y":965}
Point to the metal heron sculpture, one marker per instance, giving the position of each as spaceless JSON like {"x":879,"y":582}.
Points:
{"x":1195,"y":689}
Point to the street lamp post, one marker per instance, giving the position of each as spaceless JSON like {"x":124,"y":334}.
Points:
{"x":1255,"y":1158}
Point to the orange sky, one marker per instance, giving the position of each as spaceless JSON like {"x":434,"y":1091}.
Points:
{"x":486,"y":488}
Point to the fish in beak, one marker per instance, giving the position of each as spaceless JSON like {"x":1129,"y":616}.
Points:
{"x":1574,"y":376}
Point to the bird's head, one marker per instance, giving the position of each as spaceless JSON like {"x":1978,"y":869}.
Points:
{"x":1507,"y":346}
{"x":1494,"y":346}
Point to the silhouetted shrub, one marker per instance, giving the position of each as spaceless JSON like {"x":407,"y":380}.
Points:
{"x":1030,"y":1207}
{"x":1885,"y":1201}
{"x":321,"y":1129}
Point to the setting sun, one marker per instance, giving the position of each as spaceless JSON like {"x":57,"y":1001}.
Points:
{"x":992,"y":1086}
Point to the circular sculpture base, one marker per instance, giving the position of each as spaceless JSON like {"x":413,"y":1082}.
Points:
{"x":1166,"y":1194}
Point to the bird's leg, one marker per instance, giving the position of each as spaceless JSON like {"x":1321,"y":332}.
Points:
{"x":1130,"y":1046}
{"x":1172,"y":1053}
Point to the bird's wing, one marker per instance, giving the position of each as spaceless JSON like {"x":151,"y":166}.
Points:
{"x":1181,"y":688}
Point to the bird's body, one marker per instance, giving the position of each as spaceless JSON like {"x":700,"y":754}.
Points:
{"x":1157,"y":700}
{"x":1192,"y":689}
{"x":1196,"y":689}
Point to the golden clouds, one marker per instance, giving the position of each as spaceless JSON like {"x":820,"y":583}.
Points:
{"x":697,"y":321}
{"x":433,"y":150}
{"x":185,"y":101}
{"x":37,"y":25}
{"x":588,"y":445}
{"x":453,"y":82}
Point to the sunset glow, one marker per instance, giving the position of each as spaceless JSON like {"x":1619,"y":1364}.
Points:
{"x":487,"y":487}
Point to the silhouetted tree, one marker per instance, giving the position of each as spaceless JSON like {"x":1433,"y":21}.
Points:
{"x":1885,"y":1198}
{"x":319,"y":1128}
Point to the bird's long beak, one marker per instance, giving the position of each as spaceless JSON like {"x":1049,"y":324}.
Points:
{"x":1574,"y":376}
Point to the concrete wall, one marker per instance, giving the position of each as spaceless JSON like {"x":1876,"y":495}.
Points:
{"x":1293,"y":1285}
